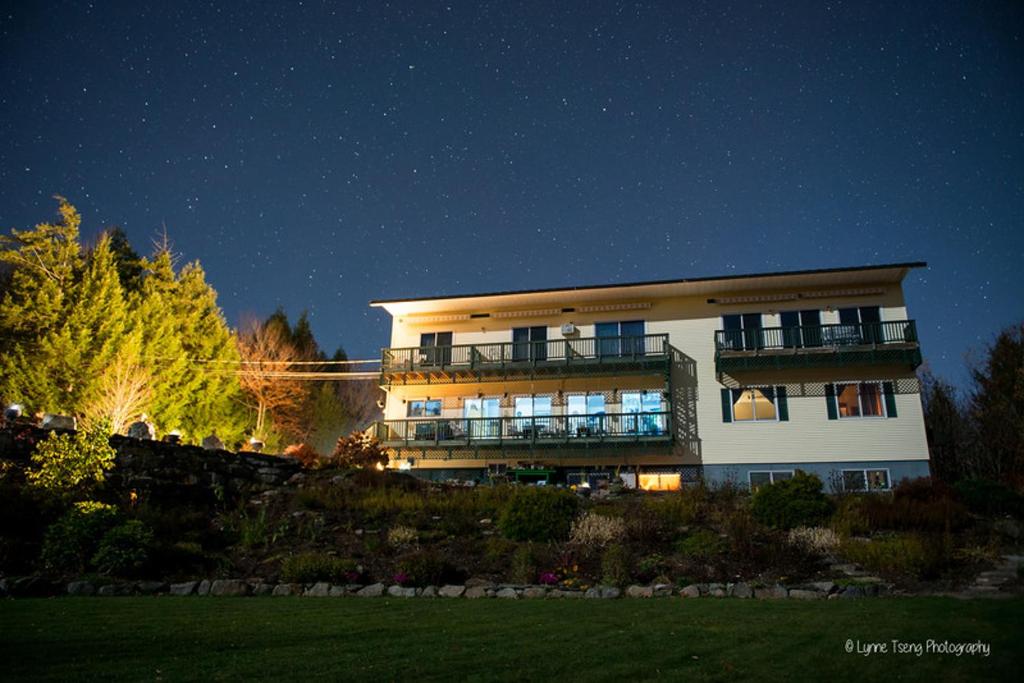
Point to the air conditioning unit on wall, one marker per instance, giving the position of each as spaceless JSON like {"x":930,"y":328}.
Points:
{"x":568,"y":329}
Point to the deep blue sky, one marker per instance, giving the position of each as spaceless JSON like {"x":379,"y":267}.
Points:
{"x":318,"y":155}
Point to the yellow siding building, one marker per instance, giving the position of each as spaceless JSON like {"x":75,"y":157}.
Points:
{"x":744,"y":378}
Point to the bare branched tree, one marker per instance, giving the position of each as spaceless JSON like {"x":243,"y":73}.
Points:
{"x":359,"y":401}
{"x":123,"y":394}
{"x":267,"y":355}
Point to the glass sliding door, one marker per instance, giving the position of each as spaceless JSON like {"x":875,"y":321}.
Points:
{"x":483,"y":417}
{"x":607,"y":339}
{"x":632,"y":333}
{"x":436,"y":348}
{"x":529,"y":343}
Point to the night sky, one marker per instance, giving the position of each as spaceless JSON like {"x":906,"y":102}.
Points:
{"x":318,"y":155}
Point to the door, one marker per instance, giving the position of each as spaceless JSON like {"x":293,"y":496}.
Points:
{"x":436,"y":348}
{"x":529,"y":343}
{"x":632,"y":333}
{"x":810,"y":321}
{"x":483,"y":417}
{"x":753,"y":338}
{"x":607,"y":339}
{"x":790,"y":329}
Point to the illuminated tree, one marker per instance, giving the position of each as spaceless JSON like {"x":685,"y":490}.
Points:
{"x":267,"y":354}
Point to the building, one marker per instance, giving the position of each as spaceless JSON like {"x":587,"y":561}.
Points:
{"x":742,"y":377}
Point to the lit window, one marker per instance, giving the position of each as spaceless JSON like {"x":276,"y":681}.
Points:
{"x":424,"y":408}
{"x":866,"y":480}
{"x":751,"y":405}
{"x":860,"y":400}
{"x":660,"y":481}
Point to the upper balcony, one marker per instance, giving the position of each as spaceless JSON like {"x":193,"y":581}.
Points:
{"x":891,"y":342}
{"x":499,"y":361}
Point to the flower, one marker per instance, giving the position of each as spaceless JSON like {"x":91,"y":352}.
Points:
{"x":401,"y":578}
{"x":548,"y":579}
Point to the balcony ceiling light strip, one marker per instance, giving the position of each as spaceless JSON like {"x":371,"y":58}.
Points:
{"x":841,"y":292}
{"x":413,"y":319}
{"x":527,"y":314}
{"x":613,"y":307}
{"x":824,"y":294}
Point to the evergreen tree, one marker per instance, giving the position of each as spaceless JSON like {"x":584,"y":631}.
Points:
{"x":129,"y":263}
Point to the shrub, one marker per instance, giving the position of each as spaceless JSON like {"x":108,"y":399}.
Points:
{"x":987,"y":497}
{"x":597,"y":530}
{"x":650,"y":567}
{"x":400,"y":536}
{"x":701,"y":545}
{"x":615,"y":565}
{"x":904,"y":554}
{"x":426,"y":568}
{"x":917,"y":505}
{"x":523,"y":568}
{"x":68,"y":464}
{"x":790,"y":503}
{"x":677,"y":509}
{"x":538,"y":514}
{"x":850,"y":519}
{"x":305,"y":454}
{"x":359,"y":450}
{"x":821,"y":540}
{"x":124,"y":549}
{"x":71,"y":541}
{"x":312,"y":567}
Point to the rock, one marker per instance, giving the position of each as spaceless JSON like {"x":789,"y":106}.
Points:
{"x":559,"y":593}
{"x":397,"y":591}
{"x":229,"y":588}
{"x":852,"y":592}
{"x":32,"y":587}
{"x":474,"y":582}
{"x":152,"y":587}
{"x":475,"y":592}
{"x":140,"y":430}
{"x":534,"y":592}
{"x":212,"y":443}
{"x":593,"y":593}
{"x":64,"y":422}
{"x":284,"y":589}
{"x":117,"y":590}
{"x":662,"y":590}
{"x":640,"y":592}
{"x":263,"y":589}
{"x":610,"y":592}
{"x":337,"y":591}
{"x":803,"y":594}
{"x":428,"y":592}
{"x":451,"y":591}
{"x":321,"y":589}
{"x":204,"y":587}
{"x":507,"y":594}
{"x":691,"y":591}
{"x":183,"y":588}
{"x":741,"y":590}
{"x":1009,"y":527}
{"x":374,"y":590}
{"x":775,"y":592}
{"x":823,"y":586}
{"x":717,"y":590}
{"x":81,"y":588}
{"x":486,"y":521}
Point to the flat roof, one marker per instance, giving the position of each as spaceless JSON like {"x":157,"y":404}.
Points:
{"x":648,"y":283}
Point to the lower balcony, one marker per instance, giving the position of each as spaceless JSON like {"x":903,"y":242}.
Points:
{"x":505,"y":432}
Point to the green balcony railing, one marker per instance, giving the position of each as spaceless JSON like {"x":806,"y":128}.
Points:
{"x":889,"y":341}
{"x":525,"y":431}
{"x":551,"y":353}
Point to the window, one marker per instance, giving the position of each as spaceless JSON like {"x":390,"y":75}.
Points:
{"x":743,"y":332}
{"x":860,"y":400}
{"x":585,"y":414}
{"x":436,"y":348}
{"x":424,"y":408}
{"x":483,"y":417}
{"x":801,"y":328}
{"x":761,"y":478}
{"x":642,"y":412}
{"x":751,"y":405}
{"x":660,"y":481}
{"x":860,"y":325}
{"x":624,"y":338}
{"x":865,"y":480}
{"x":529,"y":343}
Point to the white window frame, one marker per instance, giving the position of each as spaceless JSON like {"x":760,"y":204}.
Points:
{"x":860,"y":402}
{"x":867,"y":487}
{"x":775,"y":402}
{"x":771,"y":475}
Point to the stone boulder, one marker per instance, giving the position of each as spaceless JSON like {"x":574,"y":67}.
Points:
{"x":397,"y":591}
{"x":374,"y":590}
{"x":507,"y":594}
{"x":803,"y":594}
{"x":285,"y":589}
{"x":81,"y":588}
{"x":152,"y":587}
{"x":534,"y":592}
{"x":771,"y":593}
{"x":116,"y":590}
{"x":451,"y":591}
{"x":640,"y":592}
{"x":741,"y":590}
{"x":691,"y":591}
{"x":229,"y":588}
{"x":428,"y":592}
{"x":262,"y":589}
{"x":610,"y":592}
{"x":183,"y":588}
{"x":337,"y":591}
{"x":204,"y":587}
{"x":662,"y":590}
{"x":475,"y":592}
{"x":320,"y":589}
{"x":567,"y":595}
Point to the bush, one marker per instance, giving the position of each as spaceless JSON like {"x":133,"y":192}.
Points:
{"x":677,"y":509}
{"x":426,"y":568}
{"x":821,"y":540}
{"x":313,"y":567}
{"x":400,"y":536}
{"x":650,"y":567}
{"x":597,"y":530}
{"x":124,"y":549}
{"x":359,"y":450}
{"x":538,"y":514}
{"x":68,"y":464}
{"x":71,"y":541}
{"x":701,"y":545}
{"x":903,"y":555}
{"x":790,"y":503}
{"x":850,"y":519}
{"x":523,"y":568}
{"x":305,"y":454}
{"x":916,"y":505}
{"x":615,"y":565}
{"x":987,"y":497}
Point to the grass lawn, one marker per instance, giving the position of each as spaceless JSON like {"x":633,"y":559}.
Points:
{"x":387,"y":639}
